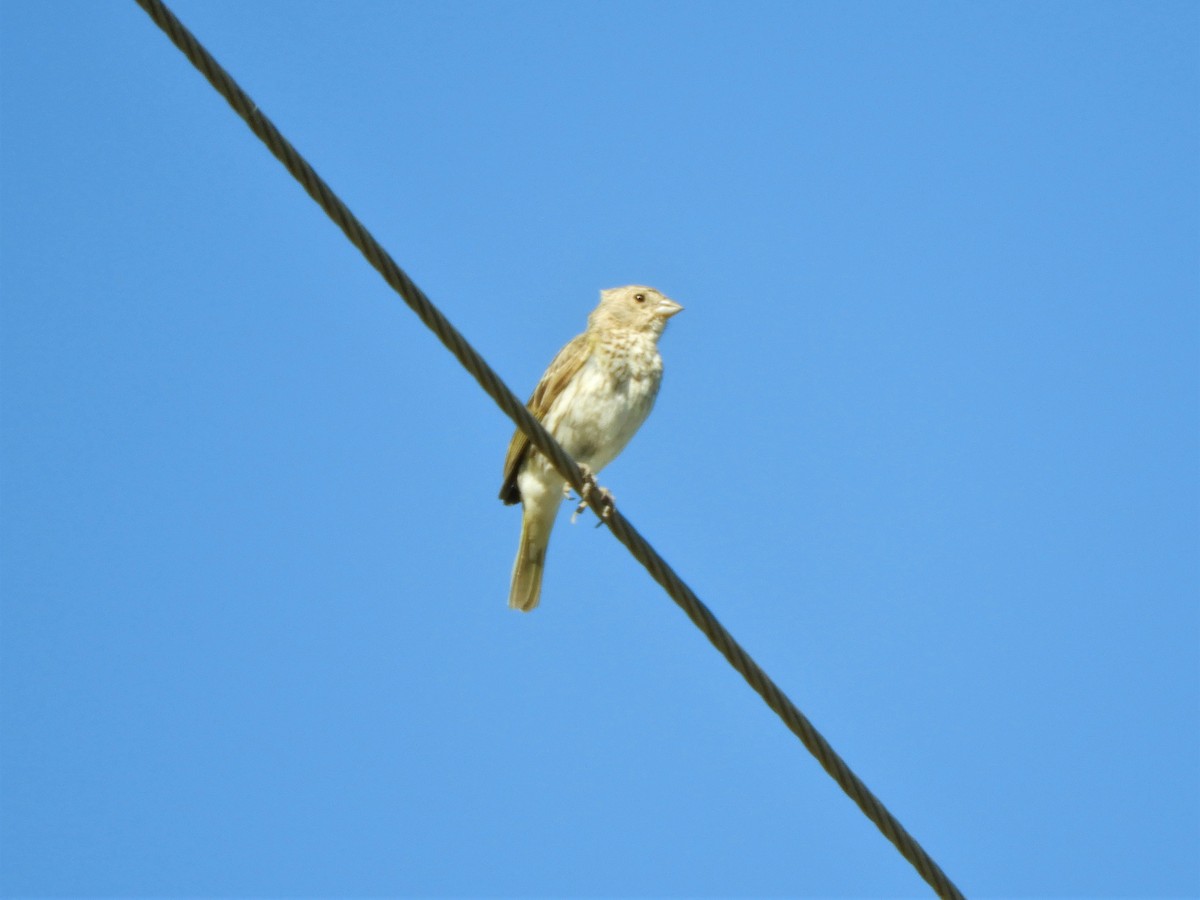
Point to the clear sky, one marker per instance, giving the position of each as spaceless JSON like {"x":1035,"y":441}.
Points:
{"x":928,"y":444}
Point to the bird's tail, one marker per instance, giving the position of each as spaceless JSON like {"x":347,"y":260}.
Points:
{"x":536,"y":524}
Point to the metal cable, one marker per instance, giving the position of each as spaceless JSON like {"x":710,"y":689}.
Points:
{"x":700,"y":615}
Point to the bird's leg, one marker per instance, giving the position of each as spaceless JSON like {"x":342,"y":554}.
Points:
{"x":604,"y":495}
{"x":607,"y":503}
{"x":589,"y":481}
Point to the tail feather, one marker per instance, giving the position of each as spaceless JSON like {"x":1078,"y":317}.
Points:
{"x":526,"y":587}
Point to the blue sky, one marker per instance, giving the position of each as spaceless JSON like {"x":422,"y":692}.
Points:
{"x":927,"y":444}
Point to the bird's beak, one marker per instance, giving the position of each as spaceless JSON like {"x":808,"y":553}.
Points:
{"x":668,"y":308}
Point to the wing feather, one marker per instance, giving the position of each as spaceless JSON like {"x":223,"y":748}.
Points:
{"x":562,"y":369}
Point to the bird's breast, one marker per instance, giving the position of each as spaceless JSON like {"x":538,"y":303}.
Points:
{"x":607,"y":401}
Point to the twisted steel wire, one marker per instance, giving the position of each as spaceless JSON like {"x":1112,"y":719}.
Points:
{"x":624,"y":531}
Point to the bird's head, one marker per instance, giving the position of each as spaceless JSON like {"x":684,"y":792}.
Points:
{"x":634,"y":307}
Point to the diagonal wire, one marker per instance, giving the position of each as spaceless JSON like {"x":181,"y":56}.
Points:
{"x":541,"y":439}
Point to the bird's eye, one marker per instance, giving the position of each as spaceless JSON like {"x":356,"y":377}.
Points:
{"x":640,"y":298}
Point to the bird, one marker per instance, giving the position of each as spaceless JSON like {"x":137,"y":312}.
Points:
{"x":595,"y":394}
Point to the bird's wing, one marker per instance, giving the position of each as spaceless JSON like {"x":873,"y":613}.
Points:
{"x":562,"y":369}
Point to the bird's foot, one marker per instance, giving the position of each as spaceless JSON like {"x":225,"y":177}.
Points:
{"x":603,"y":495}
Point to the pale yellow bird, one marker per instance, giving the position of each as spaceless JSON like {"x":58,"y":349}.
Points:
{"x":596,"y":393}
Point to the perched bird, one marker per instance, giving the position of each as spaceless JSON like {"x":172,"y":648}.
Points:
{"x":595,"y":395}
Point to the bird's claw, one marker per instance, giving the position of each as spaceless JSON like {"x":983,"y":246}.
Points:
{"x":603,"y":495}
